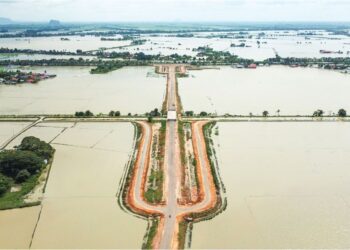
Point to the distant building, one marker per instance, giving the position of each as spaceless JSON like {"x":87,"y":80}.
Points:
{"x":252,"y":66}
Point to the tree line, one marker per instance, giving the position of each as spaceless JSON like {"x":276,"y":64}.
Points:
{"x":23,"y":162}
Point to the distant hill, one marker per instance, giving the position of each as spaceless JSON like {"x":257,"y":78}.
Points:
{"x":4,"y":20}
{"x":54,"y":23}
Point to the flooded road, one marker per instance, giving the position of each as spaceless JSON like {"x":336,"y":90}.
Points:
{"x":287,"y":186}
{"x":75,"y":89}
{"x":293,"y":91}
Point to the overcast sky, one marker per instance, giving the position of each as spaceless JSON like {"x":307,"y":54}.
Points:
{"x":176,"y":10}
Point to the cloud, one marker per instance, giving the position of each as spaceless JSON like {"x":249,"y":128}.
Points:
{"x":168,"y":10}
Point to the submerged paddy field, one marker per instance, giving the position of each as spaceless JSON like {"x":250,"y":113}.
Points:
{"x":293,"y":91}
{"x":276,"y":185}
{"x":128,"y":90}
{"x":79,"y":207}
{"x":60,"y":43}
{"x":287,"y":186}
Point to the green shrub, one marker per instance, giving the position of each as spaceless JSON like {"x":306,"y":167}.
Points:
{"x":33,"y":144}
{"x":13,"y":161}
{"x":5,"y":184}
{"x":22,"y":176}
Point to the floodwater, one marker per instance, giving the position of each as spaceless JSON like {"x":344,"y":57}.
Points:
{"x":55,"y":43}
{"x":9,"y":129}
{"x":287,"y":186}
{"x":130,"y":89}
{"x":80,"y":207}
{"x":293,"y":91}
{"x":17,"y":226}
{"x":40,"y":57}
{"x":284,"y":43}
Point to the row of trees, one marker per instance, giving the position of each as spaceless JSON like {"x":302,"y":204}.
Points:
{"x":317,"y":113}
{"x":19,"y":164}
{"x":265,"y":113}
{"x":114,"y":113}
{"x":87,"y":113}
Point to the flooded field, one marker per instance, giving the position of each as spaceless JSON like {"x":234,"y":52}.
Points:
{"x":287,"y":186}
{"x":130,"y":89}
{"x":55,"y":43}
{"x":17,"y":226}
{"x":8,"y":129}
{"x":40,"y":57}
{"x":259,"y":45}
{"x":293,"y":91}
{"x":80,"y":207}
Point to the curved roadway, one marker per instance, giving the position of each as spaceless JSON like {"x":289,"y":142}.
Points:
{"x":171,"y":212}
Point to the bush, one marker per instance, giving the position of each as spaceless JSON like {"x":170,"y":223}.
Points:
{"x":342,"y":113}
{"x":13,"y":161}
{"x":318,"y":113}
{"x":33,"y":144}
{"x":22,"y":176}
{"x":5,"y":184}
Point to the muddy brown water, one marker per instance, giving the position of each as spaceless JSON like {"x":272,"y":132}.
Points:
{"x":74,"y":89}
{"x":287,"y":187}
{"x":293,"y":91}
{"x":9,"y":129}
{"x":80,"y":208}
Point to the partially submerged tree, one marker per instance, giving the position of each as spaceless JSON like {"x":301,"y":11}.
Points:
{"x":265,"y":113}
{"x":88,"y":113}
{"x":318,"y":113}
{"x":342,"y":113}
{"x":189,"y":113}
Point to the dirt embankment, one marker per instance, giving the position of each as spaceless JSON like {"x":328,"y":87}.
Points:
{"x":189,"y":179}
{"x":131,"y":199}
{"x":208,"y":204}
{"x":155,"y":170}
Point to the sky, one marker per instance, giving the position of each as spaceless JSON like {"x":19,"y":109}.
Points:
{"x":176,"y":10}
